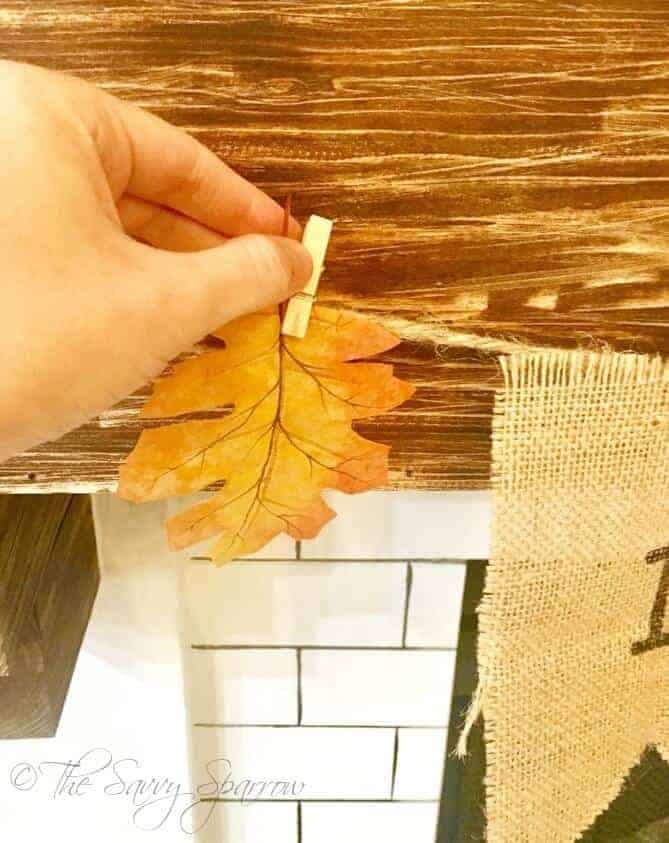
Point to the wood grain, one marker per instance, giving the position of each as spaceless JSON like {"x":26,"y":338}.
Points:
{"x":498,"y":172}
{"x":48,"y":582}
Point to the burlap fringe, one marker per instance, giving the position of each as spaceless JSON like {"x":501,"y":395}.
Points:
{"x":472,"y":715}
{"x":444,"y":337}
{"x":555,"y":368}
{"x":550,"y":369}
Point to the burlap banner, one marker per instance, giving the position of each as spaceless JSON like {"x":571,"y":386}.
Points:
{"x":574,"y":633}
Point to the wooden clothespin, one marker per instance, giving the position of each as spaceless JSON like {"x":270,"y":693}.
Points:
{"x":298,"y":310}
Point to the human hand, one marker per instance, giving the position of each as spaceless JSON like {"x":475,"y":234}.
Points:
{"x":88,"y":313}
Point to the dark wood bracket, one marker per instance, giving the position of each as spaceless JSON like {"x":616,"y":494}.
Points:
{"x":48,"y":581}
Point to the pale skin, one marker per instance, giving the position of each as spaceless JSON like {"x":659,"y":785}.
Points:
{"x":123,"y":242}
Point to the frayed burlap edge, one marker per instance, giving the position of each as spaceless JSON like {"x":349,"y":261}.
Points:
{"x":549,"y":369}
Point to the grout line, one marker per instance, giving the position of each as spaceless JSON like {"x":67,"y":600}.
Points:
{"x":336,"y":647}
{"x":396,"y":748}
{"x":432,"y":560}
{"x":407,"y":599}
{"x":298,"y":653}
{"x":299,"y":822}
{"x":248,"y":801}
{"x":438,"y":727}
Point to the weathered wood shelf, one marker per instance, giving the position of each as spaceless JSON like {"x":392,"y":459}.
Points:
{"x":498,"y":172}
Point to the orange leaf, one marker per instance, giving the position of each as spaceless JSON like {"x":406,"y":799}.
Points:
{"x":287,"y":435}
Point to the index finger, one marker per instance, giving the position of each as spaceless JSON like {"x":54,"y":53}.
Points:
{"x":169,"y":167}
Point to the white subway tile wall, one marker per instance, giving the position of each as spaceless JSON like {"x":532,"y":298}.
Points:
{"x":434,"y":607}
{"x":405,"y":525}
{"x":420,"y":763}
{"x":361,"y":823}
{"x":252,"y":762}
{"x":250,"y":686}
{"x":377,"y":687}
{"x":295,"y":603}
{"x":318,"y":688}
{"x":218,"y":822}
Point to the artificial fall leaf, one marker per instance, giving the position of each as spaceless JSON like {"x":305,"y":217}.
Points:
{"x":287,"y":437}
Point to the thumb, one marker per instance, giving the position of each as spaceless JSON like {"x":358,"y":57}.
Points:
{"x":206,"y":289}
